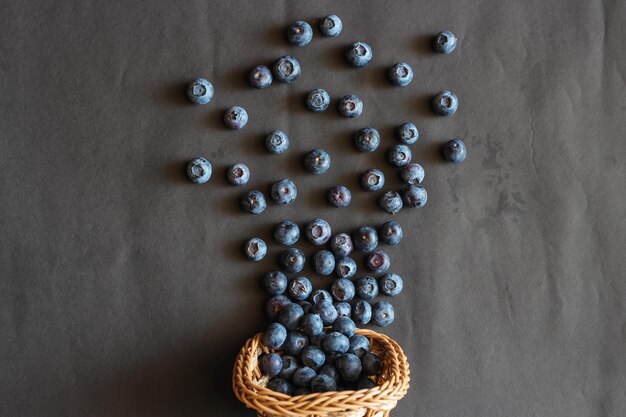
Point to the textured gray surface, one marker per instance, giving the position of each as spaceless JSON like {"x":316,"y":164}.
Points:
{"x":122,"y":289}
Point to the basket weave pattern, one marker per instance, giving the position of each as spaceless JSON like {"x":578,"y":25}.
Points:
{"x":391,"y":385}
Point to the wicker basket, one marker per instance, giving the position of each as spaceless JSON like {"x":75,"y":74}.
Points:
{"x":392,"y":385}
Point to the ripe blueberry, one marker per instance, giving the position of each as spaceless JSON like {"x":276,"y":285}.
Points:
{"x":275,"y":283}
{"x":317,"y":161}
{"x":274,"y":336}
{"x":324,"y":262}
{"x":253,"y":202}
{"x":318,"y":232}
{"x":200,"y":91}
{"x":313,"y":357}
{"x":401,"y":74}
{"x":299,"y":288}
{"x":391,"y":284}
{"x":286,"y":69}
{"x":295,"y":343}
{"x":372,"y":180}
{"x":412,"y":173}
{"x":277,"y":142}
{"x":445,"y":103}
{"x":341,"y":245}
{"x":291,"y":260}
{"x":407,"y":133}
{"x":345,"y":326}
{"x":238,"y":174}
{"x":318,"y":100}
{"x":290,"y":316}
{"x":286,"y":233}
{"x":454,"y":150}
{"x":350,"y":106}
{"x":236,"y":117}
{"x":358,"y":54}
{"x":382,"y":314}
{"x":366,"y":288}
{"x":199,"y":170}
{"x":275,"y":305}
{"x":345,"y":267}
{"x":271,"y":364}
{"x":284,"y":192}
{"x":255,"y":249}
{"x":349,"y":366}
{"x":366,"y":139}
{"x":378,"y":262}
{"x":260,"y":77}
{"x":342,"y":289}
{"x":339,"y":196}
{"x":445,"y":42}
{"x":362,"y":312}
{"x":330,"y":26}
{"x":365,"y":239}
{"x":281,"y":386}
{"x":390,"y":233}
{"x":414,"y":195}
{"x":399,"y":155}
{"x":390,"y":202}
{"x":299,"y":33}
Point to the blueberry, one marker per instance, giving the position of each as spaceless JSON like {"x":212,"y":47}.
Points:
{"x":290,"y":364}
{"x":382,"y":314}
{"x":275,"y":282}
{"x":317,"y":161}
{"x":341,"y":245}
{"x":454,"y":150}
{"x":445,"y":42}
{"x":345,"y":326}
{"x":277,"y":142}
{"x":274,"y":336}
{"x":330,"y":26}
{"x":318,"y":100}
{"x":301,"y":391}
{"x":199,"y":170}
{"x":366,"y":139}
{"x":306,"y":306}
{"x":378,"y":262}
{"x":359,"y":345}
{"x":291,"y":260}
{"x":200,"y":91}
{"x":372,"y":180}
{"x":445,"y":103}
{"x":367,"y":288}
{"x":253,"y":202}
{"x":390,"y":233}
{"x":414,"y":195}
{"x":295,"y":343}
{"x":318,"y":232}
{"x":350,"y":106}
{"x":323,"y":383}
{"x":324,"y":262}
{"x":372,"y":364}
{"x":280,"y":385}
{"x":275,"y":305}
{"x":330,"y":370}
{"x":358,"y":54}
{"x":236,"y":117}
{"x":362,"y":312}
{"x":255,"y":249}
{"x":312,"y":324}
{"x":286,"y":69}
{"x":339,"y":196}
{"x":412,"y":173}
{"x":290,"y":316}
{"x":238,"y":174}
{"x":327,"y":312}
{"x":303,"y":376}
{"x":349,"y":366}
{"x":345,"y":267}
{"x":407,"y":133}
{"x":342,"y":289}
{"x":401,"y":74}
{"x":365,"y":383}
{"x":271,"y":364}
{"x":390,"y":202}
{"x":320,"y":295}
{"x":399,"y":155}
{"x":365,"y":239}
{"x":313,"y":357}
{"x":299,"y":288}
{"x":391,"y":284}
{"x":260,"y":77}
{"x":344,"y":309}
{"x":335,"y":342}
{"x":331,"y":357}
{"x":316,"y":340}
{"x":299,"y":33}
{"x":284,"y":192}
{"x":286,"y":233}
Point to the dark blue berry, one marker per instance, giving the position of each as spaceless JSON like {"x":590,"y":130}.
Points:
{"x":330,"y":370}
{"x":345,"y":267}
{"x":445,"y":42}
{"x":390,"y":233}
{"x":345,"y":326}
{"x":366,"y":139}
{"x":412,"y":173}
{"x":323,"y":262}
{"x":365,"y":383}
{"x":253,"y":202}
{"x":414,"y":195}
{"x":391,"y":284}
{"x":277,"y":142}
{"x":323,"y":383}
{"x":290,"y":316}
{"x":255,"y":249}
{"x":362,"y":312}
{"x":271,"y":364}
{"x":399,"y":155}
{"x":301,"y":391}
{"x":454,"y":150}
{"x":350,"y":106}
{"x":407,"y":133}
{"x":275,"y":282}
{"x":290,"y":364}
{"x":291,"y":260}
{"x":284,"y":192}
{"x":318,"y":100}
{"x":335,"y":342}
{"x":286,"y":233}
{"x":330,"y":26}
{"x":367,"y":288}
{"x":200,"y":91}
{"x":236,"y":117}
{"x":391,"y":202}
{"x":306,"y":306}
{"x":299,"y":33}
{"x":371,"y":364}
{"x":318,"y":232}
{"x":359,"y":345}
{"x":378,"y":262}
{"x":312,"y":324}
{"x":349,"y":366}
{"x":326,"y":311}
{"x":342,"y":289}
{"x":319,"y":295}
{"x":341,"y":245}
{"x":313,"y":357}
{"x":372,"y":179}
{"x":275,"y":305}
{"x":382,"y":314}
{"x":280,"y":385}
{"x":274,"y":336}
{"x":299,"y":288}
{"x":295,"y":343}
{"x":317,"y":161}
{"x":401,"y":74}
{"x":260,"y":77}
{"x":303,"y":376}
{"x":339,"y":196}
{"x":358,"y":54}
{"x":445,"y":103}
{"x":238,"y":174}
{"x":199,"y":170}
{"x":365,"y":239}
{"x":344,"y":309}
{"x":286,"y":69}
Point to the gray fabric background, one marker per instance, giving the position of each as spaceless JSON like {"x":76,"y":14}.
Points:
{"x":122,"y":287}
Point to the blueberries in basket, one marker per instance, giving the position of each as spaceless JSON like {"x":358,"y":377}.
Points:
{"x":344,"y":309}
{"x":358,"y":54}
{"x":275,"y":282}
{"x":318,"y":232}
{"x":312,"y":324}
{"x":341,"y":245}
{"x":286,"y":233}
{"x":255,"y":249}
{"x":407,"y":133}
{"x":313,"y":357}
{"x":326,"y":311}
{"x":345,"y":326}
{"x":382,"y":314}
{"x":399,"y":155}
{"x":350,"y":106}
{"x":349,"y":366}
{"x":445,"y":103}
{"x":445,"y":42}
{"x":200,"y":91}
{"x":275,"y":305}
{"x":342,"y":289}
{"x":331,"y":371}
{"x":290,"y":364}
{"x":414,"y":195}
{"x":359,"y":345}
{"x":454,"y":150}
{"x":306,"y":306}
{"x":295,"y":343}
{"x":345,"y":267}
{"x":339,"y":196}
{"x":280,"y":385}
{"x":323,"y":262}
{"x":372,"y":180}
{"x":271,"y":364}
{"x":362,"y":312}
{"x":284,"y":192}
{"x":390,"y":233}
{"x":236,"y":118}
{"x":391,"y":202}
{"x":277,"y":142}
{"x":303,"y":376}
{"x":301,"y":391}
{"x":299,"y":288}
{"x":260,"y":77}
{"x":391,"y":284}
{"x":335,"y":342}
{"x":199,"y":170}
{"x":401,"y":74}
{"x":253,"y":202}
{"x":366,"y":139}
{"x":286,"y":69}
{"x":317,"y":161}
{"x":274,"y":336}
{"x":378,"y":262}
{"x":371,"y":364}
{"x":365,"y":239}
{"x":238,"y":174}
{"x":318,"y":100}
{"x":412,"y":173}
{"x":323,"y":383}
{"x":299,"y":33}
{"x":365,"y":383}
{"x":290,"y":316}
{"x":367,"y":288}
{"x":330,"y":26}
{"x":319,"y":295}
{"x":291,"y":260}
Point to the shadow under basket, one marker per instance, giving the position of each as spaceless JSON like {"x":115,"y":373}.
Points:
{"x":391,"y":385}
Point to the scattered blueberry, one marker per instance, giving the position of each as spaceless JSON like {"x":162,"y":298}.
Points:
{"x":236,"y":117}
{"x":199,"y":170}
{"x":280,"y":385}
{"x":291,"y":260}
{"x":255,"y":249}
{"x":275,"y":283}
{"x":327,"y":312}
{"x":260,"y":77}
{"x":200,"y":91}
{"x":345,"y":326}
{"x":366,"y":139}
{"x":371,"y":364}
{"x":445,"y":103}
{"x":414,"y":195}
{"x":390,"y":233}
{"x":407,"y":133}
{"x":331,"y":371}
{"x":284,"y":192}
{"x":335,"y":342}
{"x":382,"y":314}
{"x":367,"y":288}
{"x":286,"y":69}
{"x":445,"y":42}
{"x":345,"y":267}
{"x":358,"y":54}
{"x":274,"y":336}
{"x":306,"y":306}
{"x":362,"y":312}
{"x":313,"y":357}
{"x":454,"y":150}
{"x":319,"y":295}
{"x":350,"y":106}
{"x":286,"y":233}
{"x":344,"y":309}
{"x":390,"y":202}
{"x":365,"y":239}
{"x":317,"y":161}
{"x":312,"y":324}
{"x":318,"y":232}
{"x":399,"y":155}
{"x":365,"y":383}
{"x":342,"y":289}
{"x":295,"y":343}
{"x":412,"y":173}
{"x":303,"y":376}
{"x":341,"y":245}
{"x":372,"y":180}
{"x":271,"y":364}
{"x":401,"y":74}
{"x":299,"y":33}
{"x":330,"y":26}
{"x":299,"y":288}
{"x":290,"y":364}
{"x":238,"y":174}
{"x":359,"y":345}
{"x":277,"y":142}
{"x":301,"y":391}
{"x":339,"y":196}
{"x":318,"y":100}
{"x":290,"y":316}
{"x":391,"y":284}
{"x":253,"y":202}
{"x":275,"y":305}
{"x":323,"y":262}
{"x":349,"y":366}
{"x":378,"y":262}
